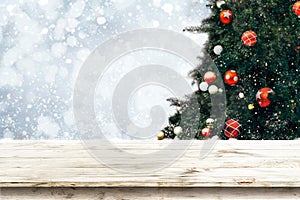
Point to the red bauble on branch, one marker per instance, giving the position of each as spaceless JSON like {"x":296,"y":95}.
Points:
{"x":205,"y":132}
{"x":296,"y":8}
{"x":210,"y":77}
{"x":232,"y":128}
{"x":226,"y":16}
{"x":249,"y":38}
{"x":262,"y":97}
{"x":231,"y":77}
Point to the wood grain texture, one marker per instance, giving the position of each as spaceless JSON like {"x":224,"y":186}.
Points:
{"x":149,"y":193}
{"x":231,"y":163}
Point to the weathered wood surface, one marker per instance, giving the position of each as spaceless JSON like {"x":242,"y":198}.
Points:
{"x":230,"y":164}
{"x":150,"y":193}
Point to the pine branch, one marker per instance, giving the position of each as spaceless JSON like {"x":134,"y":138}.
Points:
{"x":193,"y":29}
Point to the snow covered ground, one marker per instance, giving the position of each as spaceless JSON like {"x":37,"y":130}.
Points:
{"x":45,"y":42}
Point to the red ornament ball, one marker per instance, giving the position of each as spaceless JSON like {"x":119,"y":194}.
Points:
{"x":232,"y":128}
{"x":210,"y":77}
{"x":231,"y":77}
{"x":205,"y":132}
{"x":226,"y":16}
{"x":262,"y":97}
{"x":249,"y":38}
{"x":296,"y":8}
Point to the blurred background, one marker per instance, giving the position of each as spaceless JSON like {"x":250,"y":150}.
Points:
{"x":45,"y":42}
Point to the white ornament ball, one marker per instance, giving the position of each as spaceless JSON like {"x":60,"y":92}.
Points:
{"x":213,"y":89}
{"x":210,"y":121}
{"x":203,"y":86}
{"x":220,"y":3}
{"x":218,"y":49}
{"x":241,"y":95}
{"x":178,"y":130}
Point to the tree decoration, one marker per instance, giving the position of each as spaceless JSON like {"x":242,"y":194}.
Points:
{"x":220,"y":3}
{"x":261,"y":42}
{"x":178,"y":130}
{"x":226,"y":16}
{"x":262,"y":97}
{"x":249,"y":38}
{"x":205,"y":132}
{"x":218,"y":49}
{"x":231,"y":77}
{"x":232,"y":128}
{"x":296,"y":8}
{"x":209,"y":122}
{"x":160,"y":135}
{"x":251,"y":106}
{"x":241,"y":95}
{"x":169,"y":132}
{"x":210,"y":77}
{"x":213,"y":89}
{"x":203,"y":86}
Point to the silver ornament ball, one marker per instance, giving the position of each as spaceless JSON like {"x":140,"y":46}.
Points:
{"x":218,"y":49}
{"x":203,"y":86}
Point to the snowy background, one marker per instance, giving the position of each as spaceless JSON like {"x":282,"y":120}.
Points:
{"x":45,"y":42}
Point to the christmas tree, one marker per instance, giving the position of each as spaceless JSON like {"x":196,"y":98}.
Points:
{"x":256,"y":48}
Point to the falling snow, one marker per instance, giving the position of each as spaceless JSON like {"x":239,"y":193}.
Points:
{"x":44,"y":43}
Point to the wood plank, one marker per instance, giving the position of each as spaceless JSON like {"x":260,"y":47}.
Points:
{"x":230,"y":163}
{"x":149,"y":193}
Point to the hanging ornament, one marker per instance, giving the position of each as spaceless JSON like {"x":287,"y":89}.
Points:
{"x":160,"y":135}
{"x":249,"y":38}
{"x":297,"y":49}
{"x":203,"y":86}
{"x":220,"y":3}
{"x":296,"y":8}
{"x":232,"y":128}
{"x":210,"y":122}
{"x":178,"y":130}
{"x":213,"y":89}
{"x":205,"y":132}
{"x":251,"y":106}
{"x":262,"y":97}
{"x":226,"y":16}
{"x":218,"y":49}
{"x":210,"y":77}
{"x":231,"y":77}
{"x":241,"y":95}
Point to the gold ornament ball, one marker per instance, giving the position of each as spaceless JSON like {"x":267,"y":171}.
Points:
{"x":251,"y":106}
{"x":160,"y":136}
{"x":213,"y":89}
